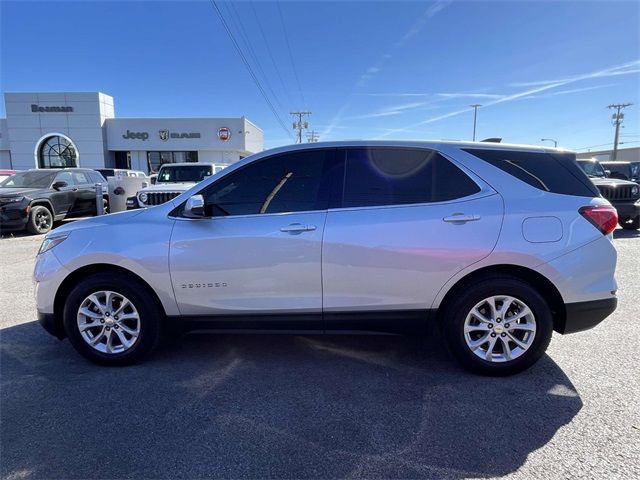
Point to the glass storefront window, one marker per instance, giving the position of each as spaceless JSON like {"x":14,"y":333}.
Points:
{"x":156,"y":159}
{"x":57,"y":152}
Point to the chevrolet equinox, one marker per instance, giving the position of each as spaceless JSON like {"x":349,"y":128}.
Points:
{"x":493,"y":246}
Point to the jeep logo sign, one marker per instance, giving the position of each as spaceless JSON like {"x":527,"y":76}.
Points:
{"x":38,"y":109}
{"x":224,"y":134}
{"x":135,"y":135}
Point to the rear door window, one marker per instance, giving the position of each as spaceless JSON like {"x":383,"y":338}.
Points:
{"x":550,"y":172}
{"x":397,"y":176}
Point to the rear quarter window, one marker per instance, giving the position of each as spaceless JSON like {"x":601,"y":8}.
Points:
{"x":550,"y":172}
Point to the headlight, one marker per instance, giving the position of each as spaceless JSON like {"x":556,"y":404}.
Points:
{"x":635,"y":190}
{"x":11,"y":199}
{"x":143,"y":197}
{"x":51,"y":242}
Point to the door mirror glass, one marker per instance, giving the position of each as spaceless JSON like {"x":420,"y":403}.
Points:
{"x":59,"y":184}
{"x":194,"y":208}
{"x":607,"y":173}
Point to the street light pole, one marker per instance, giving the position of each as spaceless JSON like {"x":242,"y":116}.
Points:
{"x":475,"y":116}
{"x":555,"y":142}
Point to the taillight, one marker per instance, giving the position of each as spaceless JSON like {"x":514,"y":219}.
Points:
{"x":603,"y":217}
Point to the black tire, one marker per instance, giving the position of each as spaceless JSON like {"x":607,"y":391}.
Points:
{"x":455,"y":314}
{"x":40,"y":220}
{"x":150,"y":317}
{"x":630,"y":223}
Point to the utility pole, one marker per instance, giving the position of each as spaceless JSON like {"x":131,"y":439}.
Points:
{"x":475,"y":116}
{"x":312,"y":136}
{"x":555,"y":142}
{"x":300,"y":124}
{"x":616,"y":120}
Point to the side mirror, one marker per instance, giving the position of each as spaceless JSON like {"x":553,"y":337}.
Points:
{"x":607,"y":173}
{"x":153,"y":180}
{"x":194,"y":208}
{"x":58,"y":185}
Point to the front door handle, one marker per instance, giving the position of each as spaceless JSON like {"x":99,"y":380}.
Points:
{"x":298,"y":227}
{"x":461,"y":218}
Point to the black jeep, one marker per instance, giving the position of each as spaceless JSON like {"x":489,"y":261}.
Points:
{"x":623,"y":194}
{"x":34,"y":199}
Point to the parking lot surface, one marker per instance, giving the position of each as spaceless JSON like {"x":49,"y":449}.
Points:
{"x":258,"y":406}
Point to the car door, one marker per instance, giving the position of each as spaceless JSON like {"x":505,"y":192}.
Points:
{"x":410,"y":220}
{"x":85,"y":201}
{"x":258,"y":251}
{"x":63,"y":199}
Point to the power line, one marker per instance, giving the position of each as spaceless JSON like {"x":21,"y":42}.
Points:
{"x":617,"y":120}
{"x":248,"y":67}
{"x":293,"y":65}
{"x":245,"y":38}
{"x":266,"y":44}
{"x":312,"y":136}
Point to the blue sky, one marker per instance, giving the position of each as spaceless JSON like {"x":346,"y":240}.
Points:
{"x":382,"y":69}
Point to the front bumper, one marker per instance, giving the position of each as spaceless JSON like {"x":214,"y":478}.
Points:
{"x":49,"y":323}
{"x":627,"y":209}
{"x":14,"y":216}
{"x":585,"y":315}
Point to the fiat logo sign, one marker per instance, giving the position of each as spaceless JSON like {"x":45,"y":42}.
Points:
{"x":224,"y":134}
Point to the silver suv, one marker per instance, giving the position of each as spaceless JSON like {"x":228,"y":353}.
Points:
{"x":492,"y":246}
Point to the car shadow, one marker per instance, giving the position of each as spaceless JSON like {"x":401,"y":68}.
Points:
{"x":251,"y":406}
{"x":622,"y":233}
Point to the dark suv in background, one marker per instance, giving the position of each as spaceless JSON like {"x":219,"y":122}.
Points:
{"x":34,"y":199}
{"x":623,"y":194}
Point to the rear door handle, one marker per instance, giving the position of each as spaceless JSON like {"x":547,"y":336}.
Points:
{"x":461,"y":218}
{"x":298,"y":227}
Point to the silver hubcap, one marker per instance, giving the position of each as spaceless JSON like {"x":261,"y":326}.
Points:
{"x":108,"y":322}
{"x":500,"y":328}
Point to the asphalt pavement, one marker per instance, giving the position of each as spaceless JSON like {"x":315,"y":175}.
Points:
{"x":271,"y":406}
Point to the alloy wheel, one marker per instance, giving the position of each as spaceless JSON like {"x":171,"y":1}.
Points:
{"x":108,"y":322}
{"x":500,"y":328}
{"x":43,"y":220}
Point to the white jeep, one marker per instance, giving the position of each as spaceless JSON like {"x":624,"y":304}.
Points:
{"x":172,"y":180}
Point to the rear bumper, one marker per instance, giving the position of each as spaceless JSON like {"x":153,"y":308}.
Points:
{"x":48,"y":322}
{"x":585,"y":315}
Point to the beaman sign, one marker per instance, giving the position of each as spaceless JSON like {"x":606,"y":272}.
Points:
{"x":38,"y":109}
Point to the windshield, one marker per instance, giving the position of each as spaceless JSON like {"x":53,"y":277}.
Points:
{"x":619,"y":170}
{"x":593,"y":169}
{"x":193,"y":173}
{"x":31,"y":179}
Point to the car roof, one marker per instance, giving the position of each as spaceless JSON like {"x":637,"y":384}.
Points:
{"x":615,"y":162}
{"x":67,"y":169}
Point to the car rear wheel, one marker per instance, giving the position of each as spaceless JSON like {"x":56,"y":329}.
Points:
{"x":112,"y":320}
{"x":499,"y":326}
{"x":40,"y":220}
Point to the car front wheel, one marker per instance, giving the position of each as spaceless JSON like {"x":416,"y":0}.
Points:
{"x":111,"y":319}
{"x":498,"y":326}
{"x":40,"y":220}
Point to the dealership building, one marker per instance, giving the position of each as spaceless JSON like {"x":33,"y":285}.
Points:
{"x":54,"y":130}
